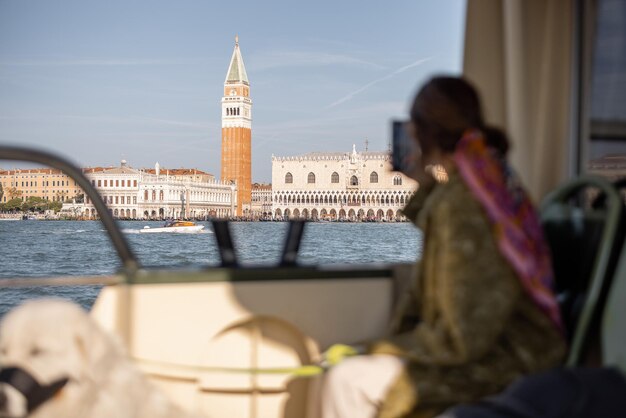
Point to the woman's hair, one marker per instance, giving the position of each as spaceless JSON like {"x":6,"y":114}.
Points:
{"x":444,"y":109}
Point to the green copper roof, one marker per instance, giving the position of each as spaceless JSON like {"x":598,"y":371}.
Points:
{"x":237,"y":71}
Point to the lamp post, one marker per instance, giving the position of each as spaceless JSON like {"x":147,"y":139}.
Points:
{"x":232,"y":198}
{"x":182,"y":205}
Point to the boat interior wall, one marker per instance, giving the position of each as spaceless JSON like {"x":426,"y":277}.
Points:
{"x":586,"y":242}
{"x":203,"y":345}
{"x":519,"y":56}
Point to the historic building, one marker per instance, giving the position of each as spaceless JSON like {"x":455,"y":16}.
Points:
{"x":339,"y":186}
{"x":47,"y":183}
{"x":160,"y":193}
{"x":237,"y":131}
{"x":261,"y":206}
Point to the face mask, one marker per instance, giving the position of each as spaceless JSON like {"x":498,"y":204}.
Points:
{"x":35,"y":393}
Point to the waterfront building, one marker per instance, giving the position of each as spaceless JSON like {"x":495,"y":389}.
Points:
{"x":339,"y":186}
{"x":236,"y":161}
{"x":261,"y":206}
{"x":160,"y":193}
{"x":47,"y":183}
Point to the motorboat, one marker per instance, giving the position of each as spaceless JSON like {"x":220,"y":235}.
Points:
{"x":175,"y":226}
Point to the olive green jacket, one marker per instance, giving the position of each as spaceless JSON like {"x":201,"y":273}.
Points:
{"x":478,"y":329}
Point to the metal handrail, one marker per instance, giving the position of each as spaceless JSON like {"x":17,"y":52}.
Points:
{"x":596,"y":285}
{"x":129,"y":261}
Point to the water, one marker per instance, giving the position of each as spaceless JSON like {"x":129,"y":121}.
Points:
{"x":77,"y":248}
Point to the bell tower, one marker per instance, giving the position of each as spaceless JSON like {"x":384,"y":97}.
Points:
{"x":237,"y":131}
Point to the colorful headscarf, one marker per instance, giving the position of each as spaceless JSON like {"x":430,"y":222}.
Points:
{"x":517,"y":230}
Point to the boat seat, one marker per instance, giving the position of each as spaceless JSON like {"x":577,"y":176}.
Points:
{"x":585,"y":241}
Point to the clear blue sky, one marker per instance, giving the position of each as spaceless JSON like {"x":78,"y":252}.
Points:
{"x":98,"y":81}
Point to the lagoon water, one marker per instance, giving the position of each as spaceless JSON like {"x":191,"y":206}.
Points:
{"x":76,"y":248}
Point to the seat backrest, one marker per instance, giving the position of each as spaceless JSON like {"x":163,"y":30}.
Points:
{"x":585,"y":242}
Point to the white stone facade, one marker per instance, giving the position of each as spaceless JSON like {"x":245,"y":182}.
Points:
{"x":261,"y":206}
{"x":137,"y":194}
{"x":339,"y":186}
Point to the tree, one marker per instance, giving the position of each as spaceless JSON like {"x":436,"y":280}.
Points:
{"x":1,"y":191}
{"x":13,"y":204}
{"x":55,"y":206}
{"x":34,"y":203}
{"x":79,"y":198}
{"x":13,"y":193}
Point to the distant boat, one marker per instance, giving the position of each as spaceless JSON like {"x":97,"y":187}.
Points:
{"x":177,"y":226}
{"x":29,"y":218}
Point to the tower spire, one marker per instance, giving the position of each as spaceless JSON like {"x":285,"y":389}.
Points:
{"x":236,"y":70}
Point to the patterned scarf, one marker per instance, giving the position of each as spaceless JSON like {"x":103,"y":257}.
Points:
{"x":516,"y":225}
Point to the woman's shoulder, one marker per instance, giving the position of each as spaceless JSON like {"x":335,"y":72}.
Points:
{"x":452,"y":196}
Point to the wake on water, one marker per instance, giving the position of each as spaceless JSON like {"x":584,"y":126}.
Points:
{"x":138,"y":231}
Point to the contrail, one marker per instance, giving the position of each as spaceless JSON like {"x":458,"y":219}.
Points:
{"x":371,"y":83}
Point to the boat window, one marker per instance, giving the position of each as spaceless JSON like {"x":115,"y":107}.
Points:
{"x":607,"y":151}
{"x":48,"y":226}
{"x":328,"y":95}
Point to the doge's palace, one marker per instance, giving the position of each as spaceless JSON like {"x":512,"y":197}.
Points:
{"x":339,"y":186}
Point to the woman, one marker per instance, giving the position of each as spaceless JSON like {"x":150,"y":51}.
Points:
{"x":486,"y":309}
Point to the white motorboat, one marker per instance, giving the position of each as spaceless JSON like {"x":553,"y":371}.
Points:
{"x":181,"y":227}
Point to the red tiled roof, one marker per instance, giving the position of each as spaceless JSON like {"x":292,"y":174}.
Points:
{"x":32,"y":171}
{"x":94,"y":169}
{"x":261,"y":186}
{"x":177,"y":171}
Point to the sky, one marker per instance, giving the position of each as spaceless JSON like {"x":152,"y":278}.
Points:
{"x":102,"y":81}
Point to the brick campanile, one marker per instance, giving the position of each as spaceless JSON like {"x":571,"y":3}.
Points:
{"x":237,"y":131}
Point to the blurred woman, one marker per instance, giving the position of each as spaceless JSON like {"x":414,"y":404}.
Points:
{"x":487,"y":314}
